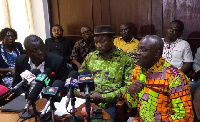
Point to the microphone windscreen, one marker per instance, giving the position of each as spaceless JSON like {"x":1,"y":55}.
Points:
{"x":58,"y":83}
{"x":35,"y":92}
{"x":47,"y":71}
{"x":85,"y":72}
{"x":35,"y":72}
{"x":73,"y":74}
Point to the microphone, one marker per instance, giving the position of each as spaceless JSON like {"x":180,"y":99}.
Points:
{"x":55,"y":91}
{"x":86,"y":82}
{"x":41,"y":80}
{"x":55,"y":94}
{"x":27,"y":77}
{"x":44,"y":77}
{"x":32,"y":97}
{"x":70,"y":84}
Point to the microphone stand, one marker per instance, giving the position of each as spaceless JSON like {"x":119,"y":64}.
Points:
{"x":73,"y":118}
{"x":87,"y":98}
{"x":28,"y":113}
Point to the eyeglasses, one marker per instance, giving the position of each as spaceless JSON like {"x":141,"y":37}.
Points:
{"x":57,"y":30}
{"x":8,"y":36}
{"x":87,"y":32}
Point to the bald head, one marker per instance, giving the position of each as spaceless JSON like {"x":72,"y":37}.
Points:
{"x":31,"y":39}
{"x":35,"y":49}
{"x":154,"y":41}
{"x":150,"y":50}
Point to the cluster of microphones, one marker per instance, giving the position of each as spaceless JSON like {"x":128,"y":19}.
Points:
{"x":54,"y":93}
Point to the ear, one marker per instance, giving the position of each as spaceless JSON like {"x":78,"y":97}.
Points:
{"x":158,"y":53}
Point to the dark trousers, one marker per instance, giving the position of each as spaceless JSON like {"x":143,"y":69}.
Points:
{"x":111,"y":110}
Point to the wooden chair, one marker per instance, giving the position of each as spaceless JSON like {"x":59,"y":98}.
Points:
{"x":123,"y":112}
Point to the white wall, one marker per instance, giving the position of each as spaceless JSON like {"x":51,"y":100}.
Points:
{"x":41,"y":18}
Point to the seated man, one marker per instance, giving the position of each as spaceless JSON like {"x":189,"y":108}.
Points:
{"x":111,"y":69}
{"x":177,"y":51}
{"x":196,"y":64}
{"x":82,"y":47}
{"x":159,"y":90}
{"x":127,"y":43}
{"x":58,"y":44}
{"x":36,"y":57}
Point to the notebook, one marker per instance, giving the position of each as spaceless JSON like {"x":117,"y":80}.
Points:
{"x":16,"y":105}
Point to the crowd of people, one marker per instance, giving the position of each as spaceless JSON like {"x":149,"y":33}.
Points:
{"x":150,"y":74}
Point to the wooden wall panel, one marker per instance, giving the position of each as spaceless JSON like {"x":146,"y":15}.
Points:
{"x":131,"y":11}
{"x":157,"y":17}
{"x":75,"y":14}
{"x":147,"y":16}
{"x":97,"y":16}
{"x":54,"y":15}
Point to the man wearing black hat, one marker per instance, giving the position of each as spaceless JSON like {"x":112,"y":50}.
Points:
{"x":111,"y":69}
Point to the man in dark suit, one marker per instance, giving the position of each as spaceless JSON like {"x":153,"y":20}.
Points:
{"x":36,"y":57}
{"x":58,"y":44}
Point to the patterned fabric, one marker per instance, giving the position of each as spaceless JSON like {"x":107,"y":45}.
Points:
{"x":177,"y":52}
{"x":128,"y":47}
{"x":9,"y":59}
{"x":111,"y":75}
{"x":196,"y":64}
{"x":167,"y":95}
{"x":81,"y":49}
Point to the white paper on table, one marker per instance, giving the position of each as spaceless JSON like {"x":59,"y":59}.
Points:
{"x":61,"y":107}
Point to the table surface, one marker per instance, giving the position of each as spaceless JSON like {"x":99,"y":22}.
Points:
{"x":14,"y":116}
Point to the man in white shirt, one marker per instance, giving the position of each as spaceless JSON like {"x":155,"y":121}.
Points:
{"x":177,"y":51}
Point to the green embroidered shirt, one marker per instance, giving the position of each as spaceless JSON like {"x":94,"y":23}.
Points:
{"x":111,"y":75}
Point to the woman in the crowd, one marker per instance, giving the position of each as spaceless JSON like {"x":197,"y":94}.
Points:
{"x":9,"y":50}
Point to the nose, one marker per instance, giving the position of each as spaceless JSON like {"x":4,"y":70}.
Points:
{"x":39,"y":51}
{"x":11,"y":37}
{"x":98,"y":45}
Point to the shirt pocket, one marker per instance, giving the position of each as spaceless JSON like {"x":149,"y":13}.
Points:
{"x":177,"y":54}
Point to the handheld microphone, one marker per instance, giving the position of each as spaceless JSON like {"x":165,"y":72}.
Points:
{"x":86,"y":81}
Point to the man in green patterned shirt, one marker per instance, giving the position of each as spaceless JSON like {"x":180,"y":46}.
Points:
{"x":111,"y":69}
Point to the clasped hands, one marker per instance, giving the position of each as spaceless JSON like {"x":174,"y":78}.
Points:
{"x":136,"y":87}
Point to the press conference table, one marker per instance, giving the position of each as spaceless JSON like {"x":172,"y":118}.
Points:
{"x":13,"y":116}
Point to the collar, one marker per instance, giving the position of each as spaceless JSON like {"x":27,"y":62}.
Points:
{"x":115,"y":52}
{"x":157,"y":67}
{"x":132,"y":40}
{"x":32,"y":65}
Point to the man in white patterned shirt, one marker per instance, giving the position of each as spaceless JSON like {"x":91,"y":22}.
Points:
{"x":177,"y":51}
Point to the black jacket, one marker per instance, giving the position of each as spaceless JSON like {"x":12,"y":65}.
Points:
{"x":52,"y":61}
{"x":63,"y":47}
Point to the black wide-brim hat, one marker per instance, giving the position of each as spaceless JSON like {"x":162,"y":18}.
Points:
{"x":103,"y":30}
